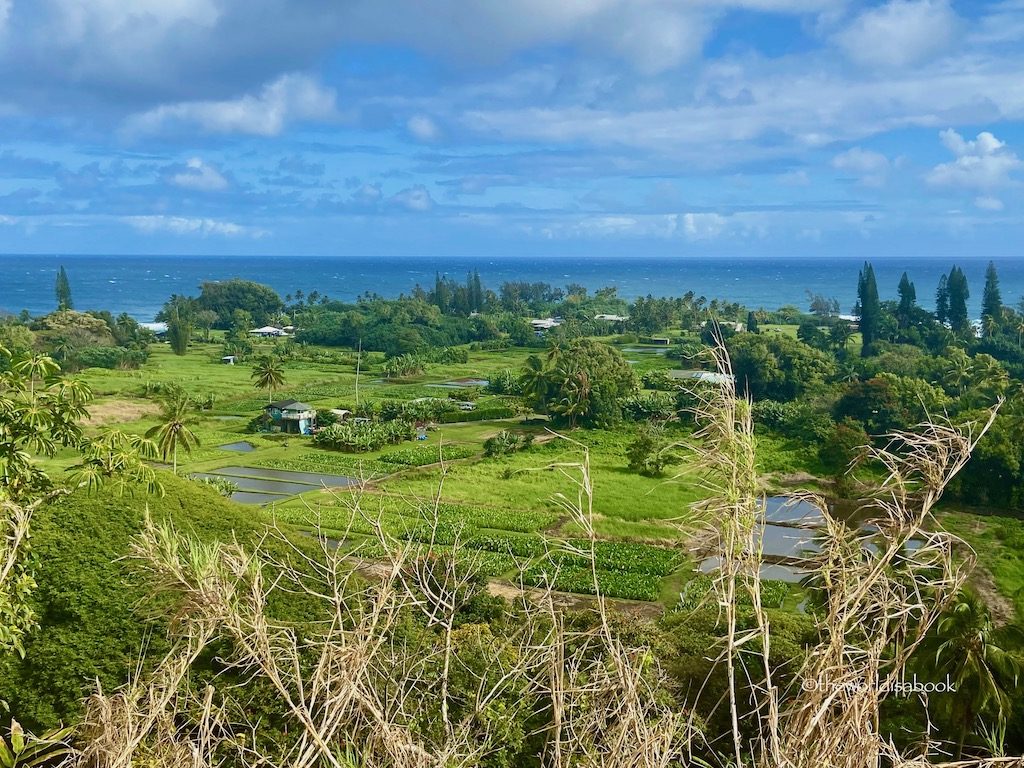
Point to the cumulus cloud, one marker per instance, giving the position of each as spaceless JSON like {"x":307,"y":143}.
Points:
{"x":869,"y":167}
{"x":983,"y":163}
{"x":367,"y":194}
{"x":988,"y":203}
{"x":652,"y":35}
{"x":199,"y":176}
{"x":181,"y":225}
{"x":288,"y":99}
{"x":423,"y":128}
{"x":702,"y":226}
{"x":416,"y":199}
{"x":900,"y":33}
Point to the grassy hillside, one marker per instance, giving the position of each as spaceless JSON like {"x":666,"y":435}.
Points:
{"x":90,"y":602}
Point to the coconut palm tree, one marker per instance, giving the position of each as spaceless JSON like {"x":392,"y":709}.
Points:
{"x":535,"y":381}
{"x":966,"y":645}
{"x":269,"y":375}
{"x":840,"y":335}
{"x":173,"y":430}
{"x":1020,"y":330}
{"x":575,"y":388}
{"x":959,"y":373}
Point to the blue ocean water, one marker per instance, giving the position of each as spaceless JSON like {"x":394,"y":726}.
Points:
{"x":139,"y":285}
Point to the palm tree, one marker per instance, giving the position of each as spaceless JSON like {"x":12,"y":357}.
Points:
{"x":269,"y":375}
{"x":1020,"y":330}
{"x":840,"y":335}
{"x":535,"y":381}
{"x":576,"y":390}
{"x":958,"y":375}
{"x":965,"y":645}
{"x":989,"y":326}
{"x":173,"y":430}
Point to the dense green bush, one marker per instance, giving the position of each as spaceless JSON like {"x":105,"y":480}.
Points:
{"x":793,"y":419}
{"x":92,"y":601}
{"x":506,"y":442}
{"x":480,"y":414}
{"x":109,"y":357}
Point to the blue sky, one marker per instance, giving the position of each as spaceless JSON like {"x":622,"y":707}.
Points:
{"x":458,"y":127}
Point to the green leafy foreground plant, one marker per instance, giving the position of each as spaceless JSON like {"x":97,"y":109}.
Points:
{"x":24,"y":750}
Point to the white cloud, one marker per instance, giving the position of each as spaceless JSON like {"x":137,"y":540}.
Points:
{"x":702,"y":226}
{"x":900,"y":33}
{"x":871,"y":168}
{"x":367,"y":194}
{"x":200,"y":176}
{"x":422,"y":128}
{"x":983,"y":163}
{"x":798,"y":178}
{"x":415,"y":199}
{"x":988,"y":203}
{"x":651,"y":35}
{"x":288,"y":99}
{"x":180,"y":225}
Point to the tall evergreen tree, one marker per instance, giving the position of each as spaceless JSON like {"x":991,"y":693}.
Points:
{"x":442,"y":293}
{"x":751,"y":322}
{"x":942,"y":300}
{"x":908,"y":300}
{"x":478,"y":293}
{"x":958,"y":292}
{"x":869,"y":308}
{"x":991,"y":299}
{"x":63,"y":290}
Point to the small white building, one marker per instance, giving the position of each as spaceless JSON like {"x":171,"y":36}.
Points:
{"x":546,"y":323}
{"x":612,"y":318}
{"x":268,"y":332}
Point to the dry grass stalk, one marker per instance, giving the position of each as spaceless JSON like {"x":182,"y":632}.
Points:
{"x":881,"y":596}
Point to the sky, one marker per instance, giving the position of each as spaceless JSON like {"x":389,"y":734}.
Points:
{"x":820,"y":128}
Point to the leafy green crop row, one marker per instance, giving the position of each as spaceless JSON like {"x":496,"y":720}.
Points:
{"x":332,"y":463}
{"x":696,"y":591}
{"x":621,"y":557}
{"x":422,"y":455}
{"x":628,"y":586}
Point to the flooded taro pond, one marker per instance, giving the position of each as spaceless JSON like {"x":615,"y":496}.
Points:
{"x":262,"y":485}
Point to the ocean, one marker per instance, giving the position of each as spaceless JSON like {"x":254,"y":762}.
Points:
{"x":139,"y":285}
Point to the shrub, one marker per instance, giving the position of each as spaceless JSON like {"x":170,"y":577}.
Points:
{"x":480,"y":414}
{"x":506,"y":442}
{"x":222,"y":485}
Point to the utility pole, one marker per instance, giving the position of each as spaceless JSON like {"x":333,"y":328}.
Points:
{"x":359,"y":356}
